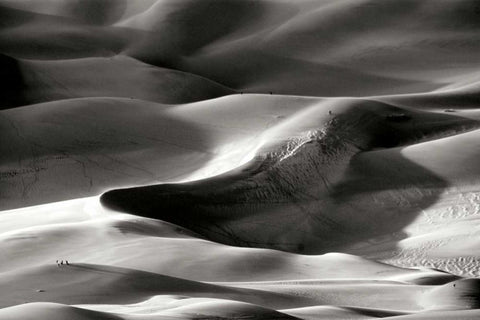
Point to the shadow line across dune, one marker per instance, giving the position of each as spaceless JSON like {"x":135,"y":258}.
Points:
{"x":95,"y":145}
{"x":338,"y":191}
{"x":234,"y":211}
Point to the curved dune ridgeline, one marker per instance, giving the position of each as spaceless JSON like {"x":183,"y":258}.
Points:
{"x":322,"y":191}
{"x":239,"y":159}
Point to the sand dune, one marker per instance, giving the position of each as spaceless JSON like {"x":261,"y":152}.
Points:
{"x":37,"y":81}
{"x":143,"y":153}
{"x":159,"y":247}
{"x":319,"y":176}
{"x":52,"y":311}
{"x":144,"y":244}
{"x":25,"y":34}
{"x":85,"y":283}
{"x":188,"y":308}
{"x":239,"y":159}
{"x":90,"y":12}
{"x":303,"y":44}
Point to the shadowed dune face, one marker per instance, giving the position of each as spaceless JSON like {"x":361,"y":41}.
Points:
{"x":95,"y":283}
{"x":109,"y":77}
{"x":312,"y":218}
{"x":41,"y":36}
{"x":95,"y":11}
{"x":190,"y":25}
{"x":181,"y":308}
{"x":364,"y":41}
{"x":297,"y":47}
{"x":12,"y":83}
{"x":325,"y":192}
{"x":271,"y":72}
{"x":460,"y":294}
{"x":101,"y":12}
{"x":92,"y":142}
{"x":46,"y":311}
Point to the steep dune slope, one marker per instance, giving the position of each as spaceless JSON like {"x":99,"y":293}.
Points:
{"x":35,"y":81}
{"x":109,"y":238}
{"x":228,"y":141}
{"x":79,"y":283}
{"x":90,"y":145}
{"x":185,"y":308}
{"x":96,"y":12}
{"x":322,"y":48}
{"x":273,"y":73}
{"x":44,"y":311}
{"x":410,"y":41}
{"x":87,"y":284}
{"x":93,"y":235}
{"x":401,"y":39}
{"x":25,"y":34}
{"x":108,"y":142}
{"x":316,"y":182}
{"x":11,"y":81}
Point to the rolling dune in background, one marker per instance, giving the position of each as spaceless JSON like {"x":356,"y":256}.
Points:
{"x":233,"y":159}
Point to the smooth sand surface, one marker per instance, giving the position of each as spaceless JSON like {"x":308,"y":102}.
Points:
{"x":239,"y":159}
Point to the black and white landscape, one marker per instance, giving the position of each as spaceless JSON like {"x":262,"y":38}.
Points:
{"x":239,"y":159}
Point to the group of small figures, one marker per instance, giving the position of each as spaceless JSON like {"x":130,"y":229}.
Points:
{"x":60,"y":263}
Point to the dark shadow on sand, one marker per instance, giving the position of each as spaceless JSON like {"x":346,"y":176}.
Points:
{"x":345,"y":216}
{"x":116,"y":285}
{"x":91,"y":136}
{"x":293,"y":207}
{"x":11,"y":83}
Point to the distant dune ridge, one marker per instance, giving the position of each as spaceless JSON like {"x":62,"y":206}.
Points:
{"x":239,"y":159}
